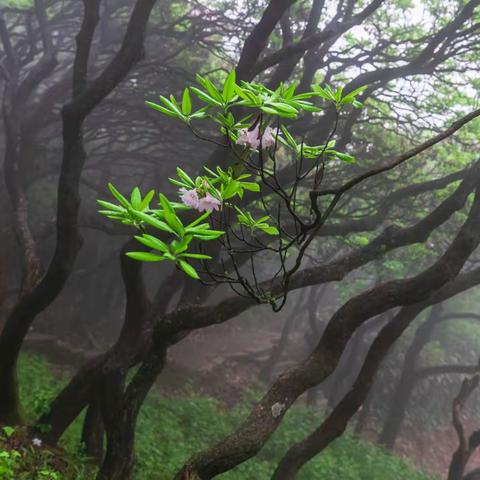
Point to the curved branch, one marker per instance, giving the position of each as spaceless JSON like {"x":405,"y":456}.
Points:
{"x":268,"y":413}
{"x":333,"y":30}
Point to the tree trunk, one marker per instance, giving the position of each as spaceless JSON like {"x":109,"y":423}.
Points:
{"x":93,"y":430}
{"x":466,"y":444}
{"x":364,"y":414}
{"x":336,"y":423}
{"x":473,"y":475}
{"x":68,"y":243}
{"x":120,"y":408}
{"x":10,"y":409}
{"x":85,"y":99}
{"x":81,"y":388}
{"x":404,"y":388}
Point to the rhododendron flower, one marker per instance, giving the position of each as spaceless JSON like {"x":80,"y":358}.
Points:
{"x":268,"y":138}
{"x":249,"y":138}
{"x":189,"y":197}
{"x":209,"y":203}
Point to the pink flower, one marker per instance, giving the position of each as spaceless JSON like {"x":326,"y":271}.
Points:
{"x":249,"y":138}
{"x":208,"y":203}
{"x":268,"y":138}
{"x":190,"y":198}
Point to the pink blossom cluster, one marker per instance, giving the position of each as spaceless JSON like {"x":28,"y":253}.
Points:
{"x":253,"y":138}
{"x":208,"y":203}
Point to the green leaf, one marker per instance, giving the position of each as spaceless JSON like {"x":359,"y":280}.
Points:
{"x":111,"y":206}
{"x":171,"y":216}
{"x":175,"y":223}
{"x":182,"y":245}
{"x":330,"y":92}
{"x":269,"y":110}
{"x":289,"y":137}
{"x":338,"y":94}
{"x":164,"y":110}
{"x":171,"y":106}
{"x":229,"y":86}
{"x":290,"y":91}
{"x":241,"y":92}
{"x":123,"y":201}
{"x":208,"y":235}
{"x":113,"y":215}
{"x":230,"y":189}
{"x":186,"y":102}
{"x":345,"y":157}
{"x":8,"y":431}
{"x":202,"y":113}
{"x":198,"y":220}
{"x":252,"y":186}
{"x":205,"y":229}
{"x":205,"y":97}
{"x":250,"y":97}
{"x":197,"y":256}
{"x":145,"y":256}
{"x":178,"y":183}
{"x":179,"y":206}
{"x":152,"y":242}
{"x":164,"y":202}
{"x":188,"y":269}
{"x":154,"y":222}
{"x":355,"y":92}
{"x":283,"y":107}
{"x":212,"y":90}
{"x":136,"y":198}
{"x":175,"y":103}
{"x":303,"y":96}
{"x":326,"y":93}
{"x":146,"y":201}
{"x":184,"y":176}
{"x":200,"y":80}
{"x":270,"y":230}
{"x":307,"y":106}
{"x":211,"y":172}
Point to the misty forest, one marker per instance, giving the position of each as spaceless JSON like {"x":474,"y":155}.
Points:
{"x":240,"y":239}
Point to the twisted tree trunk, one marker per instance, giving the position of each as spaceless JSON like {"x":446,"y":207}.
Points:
{"x":85,"y":99}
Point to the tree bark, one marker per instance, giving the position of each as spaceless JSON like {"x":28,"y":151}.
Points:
{"x":404,"y":388}
{"x":93,"y":430}
{"x":68,"y":239}
{"x":120,"y":411}
{"x":337,"y":421}
{"x":81,"y":388}
{"x":466,"y":446}
{"x":68,"y":236}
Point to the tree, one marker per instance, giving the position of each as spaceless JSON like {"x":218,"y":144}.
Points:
{"x":38,"y":292}
{"x":383,"y":186}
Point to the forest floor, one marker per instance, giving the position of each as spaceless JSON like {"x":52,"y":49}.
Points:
{"x":224,"y":361}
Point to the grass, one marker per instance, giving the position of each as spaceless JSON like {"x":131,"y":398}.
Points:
{"x":172,"y":428}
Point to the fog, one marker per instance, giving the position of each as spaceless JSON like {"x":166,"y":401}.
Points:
{"x":322,"y":321}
